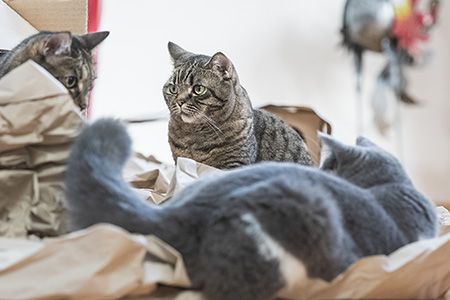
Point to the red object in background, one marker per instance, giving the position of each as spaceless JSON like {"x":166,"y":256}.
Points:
{"x":412,"y":28}
{"x":94,"y":13}
{"x":409,"y":28}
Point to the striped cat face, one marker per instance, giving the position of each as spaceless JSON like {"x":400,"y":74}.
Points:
{"x":68,"y":58}
{"x":201,"y":88}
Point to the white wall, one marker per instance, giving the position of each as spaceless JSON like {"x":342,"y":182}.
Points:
{"x":286,"y":52}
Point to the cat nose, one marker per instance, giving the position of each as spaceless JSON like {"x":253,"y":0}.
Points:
{"x":180,"y":102}
{"x":82,"y":103}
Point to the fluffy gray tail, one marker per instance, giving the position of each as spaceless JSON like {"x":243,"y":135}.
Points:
{"x":95,"y":189}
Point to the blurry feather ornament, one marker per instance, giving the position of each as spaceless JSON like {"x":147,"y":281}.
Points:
{"x":395,"y":28}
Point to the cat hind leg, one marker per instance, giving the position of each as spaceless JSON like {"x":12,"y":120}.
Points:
{"x":234,"y":266}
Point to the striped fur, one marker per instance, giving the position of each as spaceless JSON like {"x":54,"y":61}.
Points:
{"x":212,"y":119}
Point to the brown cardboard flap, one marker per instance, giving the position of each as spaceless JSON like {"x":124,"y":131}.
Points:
{"x":307,"y":121}
{"x":53,"y":15}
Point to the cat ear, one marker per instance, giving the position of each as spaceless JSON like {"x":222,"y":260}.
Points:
{"x":221,"y":65}
{"x":327,"y":159}
{"x":364,"y":142}
{"x":176,"y":52}
{"x":332,"y":151}
{"x":91,"y":40}
{"x":334,"y":146}
{"x":57,"y":43}
{"x":330,"y":142}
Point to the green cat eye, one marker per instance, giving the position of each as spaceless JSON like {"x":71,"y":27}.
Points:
{"x":71,"y":81}
{"x":173,"y":89}
{"x":199,"y":89}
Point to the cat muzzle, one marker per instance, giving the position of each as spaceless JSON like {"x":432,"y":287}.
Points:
{"x":181,"y":102}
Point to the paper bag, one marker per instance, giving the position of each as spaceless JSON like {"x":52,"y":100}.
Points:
{"x":38,"y":122}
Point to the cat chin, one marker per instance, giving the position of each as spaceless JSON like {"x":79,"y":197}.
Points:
{"x":188,"y":118}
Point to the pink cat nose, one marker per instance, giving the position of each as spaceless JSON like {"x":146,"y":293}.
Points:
{"x":181,"y":102}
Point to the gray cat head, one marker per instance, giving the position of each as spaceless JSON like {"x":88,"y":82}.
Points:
{"x":68,"y":58}
{"x":359,"y":163}
{"x":201,"y":87}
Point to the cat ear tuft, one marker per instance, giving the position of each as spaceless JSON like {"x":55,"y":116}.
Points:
{"x":57,"y":43}
{"x":222,"y":65}
{"x":91,"y":40}
{"x":364,"y":142}
{"x":176,"y":52}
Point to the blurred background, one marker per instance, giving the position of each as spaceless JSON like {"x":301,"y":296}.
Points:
{"x":286,"y":53}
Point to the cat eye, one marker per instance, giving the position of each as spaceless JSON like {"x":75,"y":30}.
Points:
{"x":71,"y":81}
{"x":199,"y":89}
{"x":173,"y":89}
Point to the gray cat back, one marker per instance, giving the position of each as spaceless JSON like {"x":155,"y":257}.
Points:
{"x":212,"y":120}
{"x":245,"y":232}
{"x":67,"y":57}
{"x":382,"y":175}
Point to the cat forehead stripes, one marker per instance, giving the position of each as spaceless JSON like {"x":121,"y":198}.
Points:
{"x":184,"y":74}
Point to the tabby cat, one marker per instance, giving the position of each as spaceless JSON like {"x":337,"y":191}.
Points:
{"x":67,"y":57}
{"x":239,"y":230}
{"x":212,"y":120}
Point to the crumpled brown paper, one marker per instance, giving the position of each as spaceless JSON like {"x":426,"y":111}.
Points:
{"x":38,"y":122}
{"x":149,"y":177}
{"x":106,"y":262}
{"x":102,"y":262}
{"x":158,"y":182}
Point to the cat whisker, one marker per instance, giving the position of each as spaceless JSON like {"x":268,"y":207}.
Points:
{"x":211,"y":124}
{"x":157,"y":116}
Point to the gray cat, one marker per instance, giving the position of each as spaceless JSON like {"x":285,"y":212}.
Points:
{"x":67,"y":57}
{"x":212,"y":120}
{"x":237,"y":231}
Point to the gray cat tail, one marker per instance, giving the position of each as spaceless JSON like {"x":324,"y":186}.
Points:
{"x":95,"y":189}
